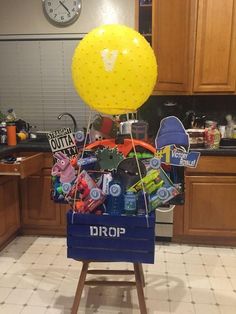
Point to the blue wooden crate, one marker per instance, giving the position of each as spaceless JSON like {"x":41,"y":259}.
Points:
{"x":110,"y":238}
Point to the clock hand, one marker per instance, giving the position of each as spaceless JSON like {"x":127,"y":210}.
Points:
{"x":59,"y":4}
{"x":64,"y":7}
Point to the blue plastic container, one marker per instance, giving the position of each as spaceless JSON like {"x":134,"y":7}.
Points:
{"x":115,"y":199}
{"x":130,"y":203}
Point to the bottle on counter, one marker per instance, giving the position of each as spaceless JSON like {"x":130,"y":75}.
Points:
{"x":3,"y":133}
{"x":212,"y":135}
{"x":230,"y":126}
{"x":11,"y":134}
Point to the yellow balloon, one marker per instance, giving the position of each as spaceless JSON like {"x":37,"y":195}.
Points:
{"x":114,"y":69}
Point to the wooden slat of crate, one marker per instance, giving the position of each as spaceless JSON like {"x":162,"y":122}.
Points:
{"x":111,"y":255}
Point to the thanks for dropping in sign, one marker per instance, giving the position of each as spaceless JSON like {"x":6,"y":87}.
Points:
{"x":63,"y":141}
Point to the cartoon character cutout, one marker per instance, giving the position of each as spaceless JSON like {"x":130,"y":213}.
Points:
{"x":63,"y":168}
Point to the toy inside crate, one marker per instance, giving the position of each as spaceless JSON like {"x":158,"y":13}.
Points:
{"x":111,"y":238}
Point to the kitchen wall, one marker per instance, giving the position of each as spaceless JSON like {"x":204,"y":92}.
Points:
{"x":26,"y":16}
{"x":35,"y":59}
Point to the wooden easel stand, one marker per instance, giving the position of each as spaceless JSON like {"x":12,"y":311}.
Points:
{"x":139,"y":282}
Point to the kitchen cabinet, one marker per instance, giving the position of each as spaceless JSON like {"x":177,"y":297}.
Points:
{"x":25,"y":165}
{"x":208,"y":215}
{"x":173,"y":23}
{"x":39,"y":214}
{"x":171,"y":26}
{"x":194,"y":42}
{"x":9,"y":208}
{"x":215,"y":58}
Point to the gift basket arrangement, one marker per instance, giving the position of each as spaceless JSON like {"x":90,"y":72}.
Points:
{"x":113,"y":189}
{"x":111,"y":177}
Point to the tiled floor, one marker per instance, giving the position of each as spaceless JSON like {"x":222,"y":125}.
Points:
{"x":36,"y":277}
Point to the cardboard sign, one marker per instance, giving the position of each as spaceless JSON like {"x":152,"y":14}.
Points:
{"x":63,"y":141}
{"x":177,"y":157}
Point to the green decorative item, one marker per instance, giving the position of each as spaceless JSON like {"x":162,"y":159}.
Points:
{"x":2,"y":116}
{"x":109,"y":158}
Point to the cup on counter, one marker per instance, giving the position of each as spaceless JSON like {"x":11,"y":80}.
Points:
{"x":222,"y":129}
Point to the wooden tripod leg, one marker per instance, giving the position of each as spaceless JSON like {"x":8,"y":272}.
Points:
{"x":141,"y":274}
{"x":80,"y":287}
{"x":139,"y":286}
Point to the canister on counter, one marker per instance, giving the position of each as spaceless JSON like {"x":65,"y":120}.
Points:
{"x":212,"y":135}
{"x":196,"y":137}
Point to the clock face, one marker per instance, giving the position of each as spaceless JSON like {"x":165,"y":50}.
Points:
{"x":62,"y":12}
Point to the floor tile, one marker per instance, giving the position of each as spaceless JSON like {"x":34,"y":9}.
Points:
{"x":195,"y":269}
{"x":225,"y":297}
{"x":207,"y":250}
{"x":189,"y":249}
{"x":173,"y":249}
{"x":203,"y":296}
{"x":4,"y":292}
{"x":199,"y":282}
{"x":157,"y":307}
{"x":9,"y":280}
{"x":206,"y":308}
{"x":62,"y":311}
{"x":41,"y":298}
{"x":10,"y":308}
{"x":28,"y":258}
{"x":158,"y":268}
{"x":19,"y":296}
{"x":225,"y":251}
{"x":228,"y":260}
{"x":18,"y":268}
{"x":231,"y":271}
{"x":233,"y":281}
{"x":215,"y":271}
{"x":220,"y":283}
{"x":174,"y":281}
{"x":155,"y":292}
{"x":182,"y":308}
{"x":28,"y":281}
{"x":37,"y":269}
{"x":174,"y":258}
{"x":227,"y":309}
{"x":4,"y":266}
{"x":175,"y":268}
{"x":192,"y":259}
{"x":180,"y":294}
{"x":211,"y":260}
{"x":33,"y":310}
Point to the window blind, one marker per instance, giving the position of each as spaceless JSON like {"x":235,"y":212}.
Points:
{"x":35,"y":80}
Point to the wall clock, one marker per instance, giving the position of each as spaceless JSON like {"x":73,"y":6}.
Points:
{"x":62,"y":12}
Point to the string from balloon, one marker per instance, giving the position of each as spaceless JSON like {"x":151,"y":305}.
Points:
{"x":140,"y":175}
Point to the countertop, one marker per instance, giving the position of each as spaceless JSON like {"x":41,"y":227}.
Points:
{"x":34,"y":145}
